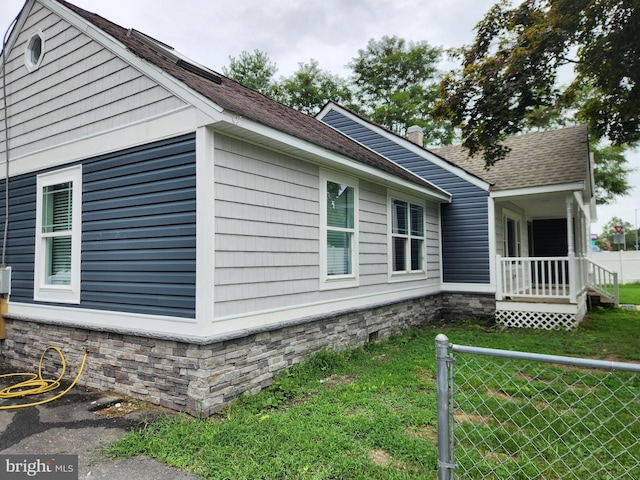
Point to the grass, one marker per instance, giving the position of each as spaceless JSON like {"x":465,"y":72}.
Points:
{"x":630,"y":293}
{"x":367,"y":413}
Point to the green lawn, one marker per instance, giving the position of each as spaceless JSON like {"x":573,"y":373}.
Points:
{"x":367,"y":413}
{"x":630,"y":293}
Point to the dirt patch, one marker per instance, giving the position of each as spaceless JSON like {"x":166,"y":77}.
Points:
{"x":380,"y":457}
{"x":428,"y":432}
{"x":132,"y":407}
{"x":385,"y":459}
{"x":499,"y":394}
{"x":426,"y":374}
{"x":471,"y":418}
{"x":335,"y":380}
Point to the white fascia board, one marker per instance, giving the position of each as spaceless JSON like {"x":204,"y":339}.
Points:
{"x":251,"y":131}
{"x":412,"y":147}
{"x":520,"y":192}
{"x":17,"y":28}
{"x":164,"y":79}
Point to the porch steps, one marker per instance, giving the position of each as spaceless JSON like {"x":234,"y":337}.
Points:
{"x":595,"y":299}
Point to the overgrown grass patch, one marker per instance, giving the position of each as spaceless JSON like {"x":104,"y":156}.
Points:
{"x":366,"y":413}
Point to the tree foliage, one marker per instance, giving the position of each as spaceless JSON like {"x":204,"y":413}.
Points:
{"x":606,"y":239}
{"x":508,"y":79}
{"x":609,"y":228}
{"x":610,"y":172}
{"x":396,"y":85}
{"x":254,"y":70}
{"x":310,"y":88}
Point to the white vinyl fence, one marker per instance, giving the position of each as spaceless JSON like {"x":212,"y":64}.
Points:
{"x":627,"y":264}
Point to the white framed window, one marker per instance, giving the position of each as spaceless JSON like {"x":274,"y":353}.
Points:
{"x":58,"y":236}
{"x":338,"y":231}
{"x":34,"y":53}
{"x":407,"y":244}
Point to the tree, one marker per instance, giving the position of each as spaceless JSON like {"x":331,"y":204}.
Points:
{"x":609,"y":230}
{"x":254,"y":70}
{"x":507,"y":83}
{"x":396,"y":85}
{"x":610,"y":173}
{"x":310,"y":88}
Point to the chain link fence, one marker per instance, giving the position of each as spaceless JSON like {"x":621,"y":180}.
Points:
{"x":516,"y":415}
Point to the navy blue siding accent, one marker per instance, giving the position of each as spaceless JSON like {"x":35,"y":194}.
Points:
{"x":138,"y":230}
{"x":21,"y":234}
{"x":465,"y":229}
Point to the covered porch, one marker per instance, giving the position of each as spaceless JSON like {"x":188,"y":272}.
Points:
{"x":543,"y":273}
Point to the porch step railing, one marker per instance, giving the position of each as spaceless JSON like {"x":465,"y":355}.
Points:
{"x":537,"y":278}
{"x":602,"y":280}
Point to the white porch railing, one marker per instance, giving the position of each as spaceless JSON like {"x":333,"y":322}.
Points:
{"x":602,"y":280}
{"x":537,"y":278}
{"x":553,"y":278}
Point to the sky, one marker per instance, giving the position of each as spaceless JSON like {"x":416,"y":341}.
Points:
{"x":296,"y":31}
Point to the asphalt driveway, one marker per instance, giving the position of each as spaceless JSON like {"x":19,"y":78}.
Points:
{"x":71,"y":426}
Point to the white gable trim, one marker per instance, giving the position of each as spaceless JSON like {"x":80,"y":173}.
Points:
{"x":412,"y":147}
{"x":20,"y":20}
{"x":173,"y":85}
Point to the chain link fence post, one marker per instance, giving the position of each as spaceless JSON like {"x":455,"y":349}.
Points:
{"x":445,"y":461}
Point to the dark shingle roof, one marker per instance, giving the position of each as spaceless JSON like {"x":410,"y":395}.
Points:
{"x":250,"y":104}
{"x":536,"y":159}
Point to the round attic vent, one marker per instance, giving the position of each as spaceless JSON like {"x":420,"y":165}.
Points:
{"x":35,"y":51}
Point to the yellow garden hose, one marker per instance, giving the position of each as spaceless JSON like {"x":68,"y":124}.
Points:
{"x":36,"y":384}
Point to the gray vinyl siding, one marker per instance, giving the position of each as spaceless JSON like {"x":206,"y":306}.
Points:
{"x":465,"y":229}
{"x":79,"y":90}
{"x":373,"y":234}
{"x":138,"y":231}
{"x":267,"y":229}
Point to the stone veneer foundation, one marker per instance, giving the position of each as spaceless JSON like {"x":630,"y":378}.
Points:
{"x":200,"y":376}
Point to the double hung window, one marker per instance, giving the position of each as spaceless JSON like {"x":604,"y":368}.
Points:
{"x":339,"y":237}
{"x":407,"y":236}
{"x":58,"y":230}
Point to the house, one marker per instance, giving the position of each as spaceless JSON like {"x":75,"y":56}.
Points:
{"x":196,"y":237}
{"x":192,"y":235}
{"x":518,"y":231}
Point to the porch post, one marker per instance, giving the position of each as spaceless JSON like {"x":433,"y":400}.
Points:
{"x":499,"y":291}
{"x":571,"y":251}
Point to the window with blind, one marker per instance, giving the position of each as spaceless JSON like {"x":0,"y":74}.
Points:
{"x":407,"y":236}
{"x":339,"y":231}
{"x":57,"y":222}
{"x":57,"y":266}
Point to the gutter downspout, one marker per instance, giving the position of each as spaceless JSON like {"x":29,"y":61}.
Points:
{"x":4,"y":307}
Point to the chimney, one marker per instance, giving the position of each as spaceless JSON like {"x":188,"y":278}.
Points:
{"x":416,"y":135}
